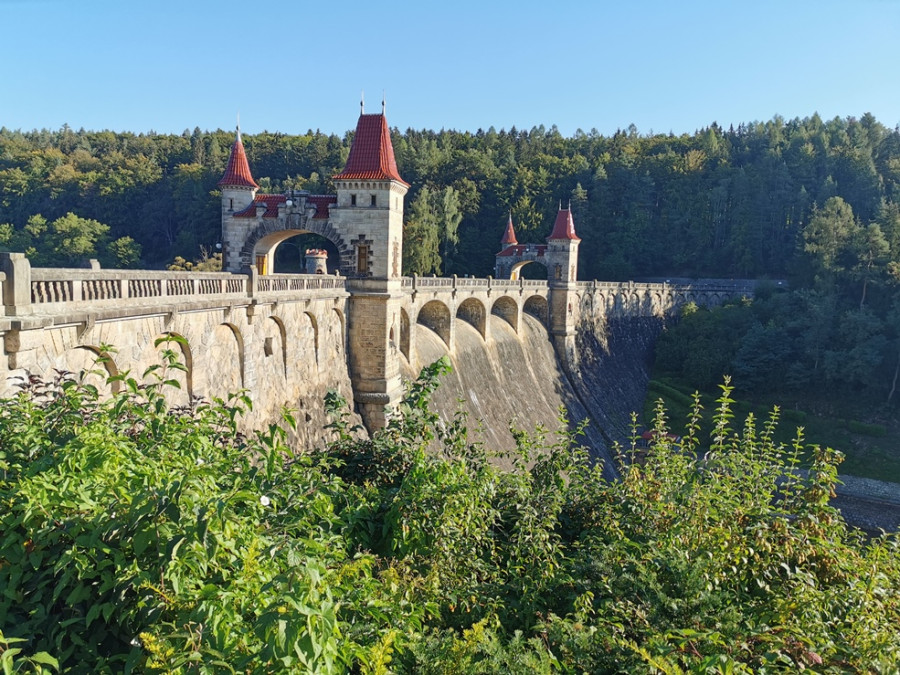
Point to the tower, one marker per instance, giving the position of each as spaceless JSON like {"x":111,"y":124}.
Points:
{"x":369,"y":209}
{"x":562,"y":266}
{"x":369,"y":214}
{"x":238,"y":192}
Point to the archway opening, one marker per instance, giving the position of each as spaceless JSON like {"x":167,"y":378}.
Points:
{"x":537,"y":307}
{"x":436,"y":316}
{"x":507,"y":309}
{"x":290,"y":254}
{"x":472,"y":311}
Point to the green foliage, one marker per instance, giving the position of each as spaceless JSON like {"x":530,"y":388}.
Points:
{"x":136,"y":536}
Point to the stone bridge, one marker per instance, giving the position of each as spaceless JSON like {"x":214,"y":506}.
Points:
{"x":285,"y":338}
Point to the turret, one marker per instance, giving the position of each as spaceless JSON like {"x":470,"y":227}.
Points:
{"x":369,"y":205}
{"x":562,"y":264}
{"x":238,"y":191}
{"x":562,"y":249}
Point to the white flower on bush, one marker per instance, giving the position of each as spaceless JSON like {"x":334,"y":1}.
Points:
{"x":200,"y":461}
{"x":265,"y":501}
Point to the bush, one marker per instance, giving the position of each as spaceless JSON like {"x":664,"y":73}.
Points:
{"x":140,"y":537}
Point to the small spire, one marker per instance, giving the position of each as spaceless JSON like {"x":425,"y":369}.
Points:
{"x":509,"y":236}
{"x":362,"y":103}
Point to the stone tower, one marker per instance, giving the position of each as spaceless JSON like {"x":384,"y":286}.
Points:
{"x":369,"y":211}
{"x":562,"y":266}
{"x":238,"y":192}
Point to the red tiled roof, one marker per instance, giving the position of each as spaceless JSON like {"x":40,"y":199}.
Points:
{"x":271,"y":203}
{"x":509,"y":237}
{"x":371,"y":154}
{"x":564,"y":227}
{"x":321,"y":203}
{"x":238,"y":171}
{"x":521,"y":249}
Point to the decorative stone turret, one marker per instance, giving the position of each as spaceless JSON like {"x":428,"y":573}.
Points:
{"x":369,"y":205}
{"x":562,"y":266}
{"x":238,"y":193}
{"x":316,"y":261}
{"x":369,"y":211}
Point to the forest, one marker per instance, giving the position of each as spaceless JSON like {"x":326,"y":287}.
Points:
{"x":810,"y":203}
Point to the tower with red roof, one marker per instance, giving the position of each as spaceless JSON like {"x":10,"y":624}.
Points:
{"x":238,"y":193}
{"x":369,"y":205}
{"x":369,"y":211}
{"x":562,"y":266}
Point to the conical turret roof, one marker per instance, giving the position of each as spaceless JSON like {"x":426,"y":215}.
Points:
{"x":237,"y":173}
{"x":564,"y":227}
{"x":372,"y":154}
{"x":509,"y":237}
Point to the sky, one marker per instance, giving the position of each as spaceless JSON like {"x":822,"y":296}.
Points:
{"x":662,"y":65}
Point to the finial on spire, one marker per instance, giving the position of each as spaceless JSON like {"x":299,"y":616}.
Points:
{"x":362,"y":103}
{"x":569,"y":207}
{"x":239,"y":127}
{"x":382,"y":102}
{"x":560,"y":204}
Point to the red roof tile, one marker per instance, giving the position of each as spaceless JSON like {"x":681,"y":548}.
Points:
{"x":271,"y":203}
{"x":371,"y":155}
{"x":321,"y":203}
{"x":509,"y":237}
{"x":564,"y":227}
{"x":238,"y":171}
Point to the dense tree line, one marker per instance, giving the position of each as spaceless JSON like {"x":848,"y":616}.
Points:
{"x":719,"y":202}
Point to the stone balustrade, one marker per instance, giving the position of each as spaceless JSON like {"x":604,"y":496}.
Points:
{"x":60,"y":291}
{"x":454,"y":283}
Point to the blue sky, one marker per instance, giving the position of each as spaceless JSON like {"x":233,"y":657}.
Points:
{"x":674,"y":65}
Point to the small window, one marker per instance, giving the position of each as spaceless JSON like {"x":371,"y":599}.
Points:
{"x":362,"y":259}
{"x":373,"y":200}
{"x":352,"y":200}
{"x":231,"y":205}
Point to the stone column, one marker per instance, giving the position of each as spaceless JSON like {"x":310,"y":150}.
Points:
{"x":374,"y":357}
{"x":17,"y":285}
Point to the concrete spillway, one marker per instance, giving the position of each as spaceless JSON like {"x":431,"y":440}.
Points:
{"x":517,"y":380}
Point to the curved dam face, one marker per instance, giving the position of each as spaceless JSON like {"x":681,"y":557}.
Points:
{"x":517,"y":381}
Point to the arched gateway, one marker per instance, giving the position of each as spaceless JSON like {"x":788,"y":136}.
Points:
{"x":364,"y":221}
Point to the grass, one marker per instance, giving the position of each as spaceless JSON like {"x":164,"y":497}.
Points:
{"x":872,"y":450}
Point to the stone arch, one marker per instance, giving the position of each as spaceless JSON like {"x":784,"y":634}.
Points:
{"x":436,"y":316}
{"x":222,"y":370}
{"x":177,"y":343}
{"x":507,"y":309}
{"x":515,"y":269}
{"x":275,"y":345}
{"x":86,"y":360}
{"x":472,"y":311}
{"x":314,"y":325}
{"x":634,"y":303}
{"x":538,"y":307}
{"x":337,"y":325}
{"x":265,"y":237}
{"x":404,"y":333}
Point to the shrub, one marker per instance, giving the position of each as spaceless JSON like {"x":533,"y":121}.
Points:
{"x":140,"y":537}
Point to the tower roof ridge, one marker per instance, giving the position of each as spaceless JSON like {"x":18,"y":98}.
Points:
{"x":372,"y":153}
{"x":237,"y":172}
